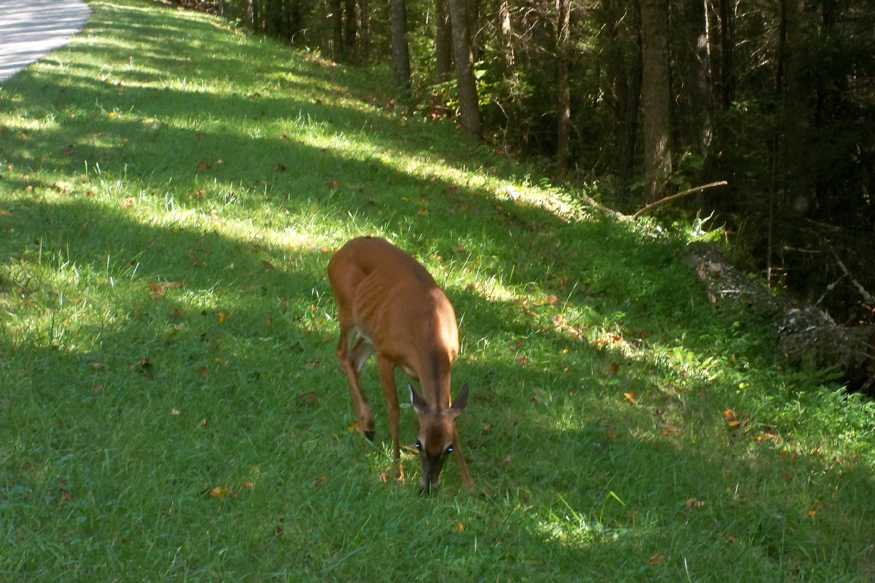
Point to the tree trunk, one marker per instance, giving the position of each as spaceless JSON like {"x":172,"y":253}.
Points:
{"x":472,"y":16}
{"x":615,"y":61}
{"x":505,"y":35}
{"x":630,"y":120}
{"x":350,"y":29}
{"x":465,"y":80}
{"x":337,"y":30}
{"x":443,"y":42}
{"x":272,"y":18}
{"x":655,"y":96}
{"x":400,"y":50}
{"x":364,"y":31}
{"x":293,"y":20}
{"x":703,"y":74}
{"x":563,"y":126}
{"x":728,"y":9}
{"x":798,"y":106}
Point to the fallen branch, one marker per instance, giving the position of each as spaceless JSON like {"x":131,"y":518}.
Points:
{"x":866,"y":295}
{"x":667,"y":199}
{"x":598,"y":206}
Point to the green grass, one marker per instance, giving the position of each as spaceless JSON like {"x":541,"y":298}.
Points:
{"x":170,"y":403}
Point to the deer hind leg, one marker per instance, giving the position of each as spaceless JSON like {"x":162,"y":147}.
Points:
{"x":352,"y":359}
{"x":463,"y":467}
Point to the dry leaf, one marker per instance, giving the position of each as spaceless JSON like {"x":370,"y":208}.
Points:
{"x":320,"y":482}
{"x":656,"y":559}
{"x":307,"y":399}
{"x":631,"y":397}
{"x":174,"y":412}
{"x":694,"y":504}
{"x":157,"y":289}
{"x":218,"y":492}
{"x":141,"y":365}
{"x":223,"y":318}
{"x":249,"y":485}
{"x":730,"y":415}
{"x":203,"y":371}
{"x":203,"y":166}
{"x":522,"y":361}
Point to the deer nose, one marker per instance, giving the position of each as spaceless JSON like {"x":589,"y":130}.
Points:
{"x":428,"y":483}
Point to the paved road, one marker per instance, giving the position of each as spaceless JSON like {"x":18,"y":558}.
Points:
{"x":30,"y":29}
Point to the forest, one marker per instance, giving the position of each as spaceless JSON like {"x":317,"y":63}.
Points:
{"x":631,"y":101}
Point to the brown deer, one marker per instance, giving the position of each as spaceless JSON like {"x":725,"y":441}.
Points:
{"x":390,"y":305}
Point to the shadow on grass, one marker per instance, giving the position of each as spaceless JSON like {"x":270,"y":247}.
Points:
{"x":605,"y":485}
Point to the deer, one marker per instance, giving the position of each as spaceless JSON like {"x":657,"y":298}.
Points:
{"x":389,"y":305}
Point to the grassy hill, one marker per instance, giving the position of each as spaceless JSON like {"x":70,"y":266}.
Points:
{"x":171,"y":407}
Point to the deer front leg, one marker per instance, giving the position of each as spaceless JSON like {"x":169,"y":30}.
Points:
{"x":386,"y":370}
{"x":463,"y":467}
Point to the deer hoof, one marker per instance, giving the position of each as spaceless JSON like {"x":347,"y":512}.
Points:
{"x":369,"y":435}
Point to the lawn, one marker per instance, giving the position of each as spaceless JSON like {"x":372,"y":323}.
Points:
{"x":171,"y":408}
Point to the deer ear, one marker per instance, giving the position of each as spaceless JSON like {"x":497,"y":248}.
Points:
{"x":461,"y":400}
{"x":419,"y":403}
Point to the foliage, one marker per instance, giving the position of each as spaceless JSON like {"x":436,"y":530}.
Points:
{"x":171,"y":404}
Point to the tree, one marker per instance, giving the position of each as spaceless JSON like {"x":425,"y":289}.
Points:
{"x":627,"y":90}
{"x":466,"y":83}
{"x":400,"y":49}
{"x":443,"y":41}
{"x":337,"y":30}
{"x":365,"y":31}
{"x":563,"y":122}
{"x":655,"y":96}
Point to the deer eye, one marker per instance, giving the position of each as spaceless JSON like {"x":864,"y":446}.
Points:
{"x":449,"y":450}
{"x":418,"y":445}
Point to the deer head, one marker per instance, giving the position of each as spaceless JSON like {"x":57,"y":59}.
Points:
{"x":437,"y":435}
